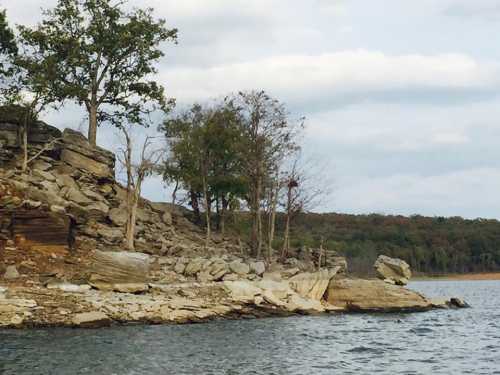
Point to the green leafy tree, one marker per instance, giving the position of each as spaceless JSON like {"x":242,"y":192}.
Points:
{"x":205,"y":145}
{"x":8,"y":50}
{"x":28,"y":85}
{"x":105,"y":58}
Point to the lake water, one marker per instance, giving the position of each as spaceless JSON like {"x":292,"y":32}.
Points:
{"x":437,"y":342}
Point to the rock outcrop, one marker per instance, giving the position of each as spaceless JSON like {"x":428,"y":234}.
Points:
{"x":374,"y":296}
{"x":392,"y":270}
{"x":114,"y":270}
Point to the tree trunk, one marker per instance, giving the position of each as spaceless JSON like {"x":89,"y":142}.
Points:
{"x":320,"y":257}
{"x":207,"y":211}
{"x":25,"y":141}
{"x":174,"y":193}
{"x":272,"y":219}
{"x":222,"y":222}
{"x":93,"y":124}
{"x":257,"y":222}
{"x":286,"y":239}
{"x":131,"y":220}
{"x":195,"y":206}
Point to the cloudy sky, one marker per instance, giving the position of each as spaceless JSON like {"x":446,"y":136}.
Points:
{"x":401,"y":97}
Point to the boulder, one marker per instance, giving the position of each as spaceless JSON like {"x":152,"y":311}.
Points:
{"x":374,"y":296}
{"x":110,"y":234}
{"x":11,"y":273}
{"x":80,"y":161}
{"x":239,"y":267}
{"x":393,"y":269}
{"x":92,"y":319}
{"x":119,"y":267}
{"x":78,"y":153}
{"x":340,"y":262}
{"x":312,"y":285}
{"x":194,"y":266}
{"x":75,"y":195}
{"x":296,"y":303}
{"x":180,"y":267}
{"x":242,"y":291}
{"x":218,"y":269}
{"x":118,"y":216}
{"x":258,"y":268}
{"x":167,"y":218}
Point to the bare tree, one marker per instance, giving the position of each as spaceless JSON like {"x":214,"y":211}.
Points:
{"x":136,"y":171}
{"x":306,"y":189}
{"x":270,"y":136}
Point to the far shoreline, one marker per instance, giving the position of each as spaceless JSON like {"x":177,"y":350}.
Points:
{"x":459,"y":277}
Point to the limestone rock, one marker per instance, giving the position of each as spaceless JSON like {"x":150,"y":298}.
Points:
{"x":180,"y":267}
{"x":11,"y":273}
{"x":167,"y":218}
{"x":68,"y":287}
{"x":242,"y":291}
{"x":43,"y":175}
{"x":91,"y":319}
{"x":258,"y":268}
{"x":290,"y":272}
{"x":77,"y":196}
{"x":78,"y":153}
{"x":218,"y":269}
{"x":296,"y":303}
{"x":120,"y":267}
{"x":239,"y":267}
{"x":393,"y":269}
{"x":130,"y":287}
{"x":194,"y":267}
{"x":340,"y":262}
{"x":374,"y":296}
{"x":312,"y":285}
{"x":118,"y":216}
{"x":110,"y":234}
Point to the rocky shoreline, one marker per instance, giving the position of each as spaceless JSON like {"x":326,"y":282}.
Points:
{"x":70,"y":305}
{"x":61,"y":259}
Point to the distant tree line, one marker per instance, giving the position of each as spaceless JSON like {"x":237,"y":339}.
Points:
{"x":431,"y":245}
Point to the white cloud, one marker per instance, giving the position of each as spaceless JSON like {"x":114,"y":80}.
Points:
{"x":470,"y":193}
{"x":333,"y":76}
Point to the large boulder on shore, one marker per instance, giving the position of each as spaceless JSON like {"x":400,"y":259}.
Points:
{"x":120,"y":267}
{"x":374,"y":296}
{"x":396,"y":271}
{"x":312,"y":285}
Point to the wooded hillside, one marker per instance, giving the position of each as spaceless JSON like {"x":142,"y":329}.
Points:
{"x":429,"y":244}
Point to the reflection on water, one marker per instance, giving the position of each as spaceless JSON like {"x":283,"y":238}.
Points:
{"x":438,"y":342}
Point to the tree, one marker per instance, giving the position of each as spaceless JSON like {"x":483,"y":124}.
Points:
{"x":136,"y":171}
{"x":269,"y":137}
{"x":306,"y":188}
{"x":8,"y":50}
{"x":104,"y":57}
{"x":204,"y":145}
{"x":28,"y":82}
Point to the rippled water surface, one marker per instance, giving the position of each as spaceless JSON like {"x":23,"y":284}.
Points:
{"x":437,"y":342}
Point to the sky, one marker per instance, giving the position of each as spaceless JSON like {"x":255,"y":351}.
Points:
{"x":401,"y":97}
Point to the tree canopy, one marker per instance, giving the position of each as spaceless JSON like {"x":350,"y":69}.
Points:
{"x":104,"y":57}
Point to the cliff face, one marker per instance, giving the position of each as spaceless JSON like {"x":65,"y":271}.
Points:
{"x":71,"y":189}
{"x":69,"y":203}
